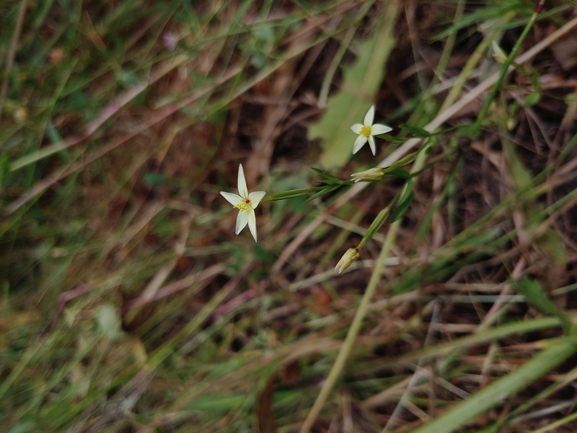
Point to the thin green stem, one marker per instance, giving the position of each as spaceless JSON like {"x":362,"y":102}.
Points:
{"x":448,"y":49}
{"x":496,"y":392}
{"x":300,"y":192}
{"x":376,"y":224}
{"x":504,"y":69}
{"x":331,"y":71}
{"x":353,"y":331}
{"x":362,"y":310}
{"x":557,"y":424}
{"x":472,"y":62}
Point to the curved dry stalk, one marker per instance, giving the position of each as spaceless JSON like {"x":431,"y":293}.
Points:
{"x":12,"y":53}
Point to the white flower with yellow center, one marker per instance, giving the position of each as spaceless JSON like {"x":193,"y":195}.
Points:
{"x":367,"y":131}
{"x":246,"y":204}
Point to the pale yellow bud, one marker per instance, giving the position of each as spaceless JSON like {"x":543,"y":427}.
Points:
{"x":347,"y":260}
{"x":375,"y":173}
{"x":20,"y":115}
{"x":498,"y":54}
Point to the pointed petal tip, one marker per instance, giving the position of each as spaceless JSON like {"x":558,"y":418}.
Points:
{"x":242,"y":220}
{"x":359,"y":143}
{"x":370,"y":116}
{"x":378,"y":129}
{"x":372,"y":145}
{"x":242,"y":188}
{"x":256,"y":197}
{"x":252,"y":224}
{"x":231,"y":197}
{"x":356,"y":128}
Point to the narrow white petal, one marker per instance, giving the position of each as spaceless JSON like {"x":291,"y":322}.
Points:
{"x":255,"y":198}
{"x":377,"y":129}
{"x":372,"y":144}
{"x":252,"y":224}
{"x":232,"y":198}
{"x":356,"y":128}
{"x":370,"y":116}
{"x":242,"y":189}
{"x":241,"y":220}
{"x":359,"y":142}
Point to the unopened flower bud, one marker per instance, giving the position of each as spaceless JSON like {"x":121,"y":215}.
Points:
{"x":347,"y":260}
{"x":375,"y":173}
{"x":498,"y":54}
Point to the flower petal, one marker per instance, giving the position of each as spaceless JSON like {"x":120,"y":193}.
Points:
{"x":242,"y":220}
{"x":255,"y":198}
{"x":378,"y":129}
{"x":252,"y":224}
{"x":356,"y":128}
{"x":372,"y":144}
{"x":242,"y":189}
{"x":359,"y":142}
{"x":232,"y":198}
{"x":370,"y":116}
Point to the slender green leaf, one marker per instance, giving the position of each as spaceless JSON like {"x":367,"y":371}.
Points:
{"x":403,"y":205}
{"x":532,"y":99}
{"x":535,"y":295}
{"x":360,"y":83}
{"x":396,"y":172}
{"x":419,"y":132}
{"x":503,"y":388}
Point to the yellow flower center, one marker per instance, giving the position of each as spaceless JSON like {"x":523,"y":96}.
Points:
{"x":366,"y":131}
{"x":245,"y":205}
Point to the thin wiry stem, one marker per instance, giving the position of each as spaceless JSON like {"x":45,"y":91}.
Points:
{"x":12,"y":53}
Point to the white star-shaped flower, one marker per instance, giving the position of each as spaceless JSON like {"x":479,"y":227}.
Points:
{"x":246,"y":204}
{"x":367,"y":130}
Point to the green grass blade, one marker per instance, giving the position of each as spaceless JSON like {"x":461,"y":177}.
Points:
{"x":349,"y":106}
{"x":495,"y":393}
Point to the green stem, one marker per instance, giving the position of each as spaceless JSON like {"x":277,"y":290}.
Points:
{"x":353,"y":331}
{"x":449,"y":45}
{"x":362,"y":311}
{"x":301,"y":192}
{"x":472,"y":62}
{"x":460,"y":414}
{"x":375,"y":225}
{"x":505,"y":68}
